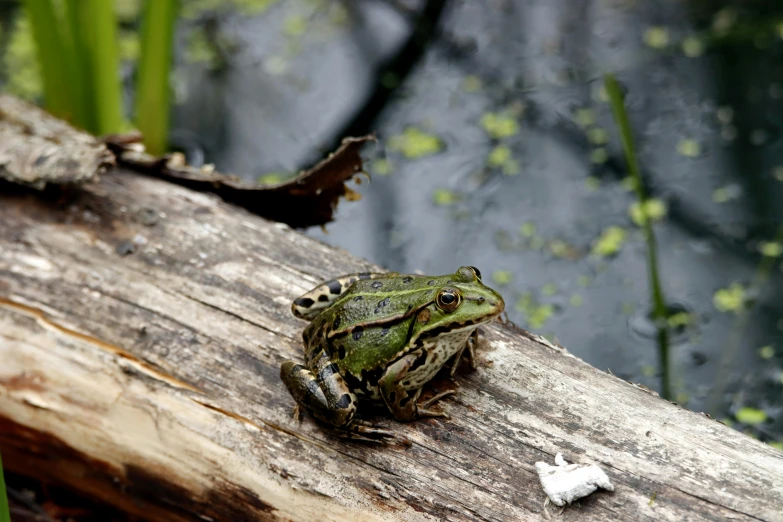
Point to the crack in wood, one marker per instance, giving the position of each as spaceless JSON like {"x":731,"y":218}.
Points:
{"x":146,"y":368}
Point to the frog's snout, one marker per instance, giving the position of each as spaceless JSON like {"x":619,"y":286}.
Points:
{"x":496,"y":303}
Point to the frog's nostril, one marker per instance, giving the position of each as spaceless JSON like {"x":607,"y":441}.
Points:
{"x":480,"y":300}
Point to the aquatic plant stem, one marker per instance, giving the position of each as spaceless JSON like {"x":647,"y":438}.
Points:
{"x":152,"y":89}
{"x":57,"y":71}
{"x":5,"y":513}
{"x":660,"y":313}
{"x":94,"y":31}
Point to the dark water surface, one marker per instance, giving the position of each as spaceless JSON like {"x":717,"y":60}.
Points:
{"x":497,"y":149}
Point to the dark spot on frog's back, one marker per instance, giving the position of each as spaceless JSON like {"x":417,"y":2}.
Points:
{"x":384,"y":332}
{"x":358,"y":298}
{"x":407,"y":279}
{"x":357,"y":333}
{"x":376,"y":284}
{"x":431,"y":282}
{"x":335,"y":287}
{"x":336,"y":323}
{"x":341,"y":352}
{"x":382,"y":304}
{"x":344,"y":401}
{"x":304,"y":302}
{"x":323,"y":298}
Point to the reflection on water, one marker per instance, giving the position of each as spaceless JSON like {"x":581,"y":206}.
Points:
{"x":497,"y":149}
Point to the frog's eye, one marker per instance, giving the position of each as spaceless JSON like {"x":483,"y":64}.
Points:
{"x":476,"y":271}
{"x":448,"y":299}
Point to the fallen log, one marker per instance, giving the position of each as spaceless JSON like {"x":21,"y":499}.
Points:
{"x":142,"y":325}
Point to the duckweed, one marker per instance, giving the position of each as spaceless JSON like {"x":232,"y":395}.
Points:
{"x":413,"y":143}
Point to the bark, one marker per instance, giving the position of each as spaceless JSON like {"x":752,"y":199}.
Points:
{"x":142,"y":325}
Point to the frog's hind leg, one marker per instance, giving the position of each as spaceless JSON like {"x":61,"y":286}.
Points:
{"x":310,"y":304}
{"x":324,"y":394}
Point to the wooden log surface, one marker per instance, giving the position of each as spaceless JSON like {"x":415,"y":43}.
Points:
{"x":142,"y":326}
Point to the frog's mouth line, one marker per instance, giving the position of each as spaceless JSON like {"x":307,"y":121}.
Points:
{"x":470,"y":325}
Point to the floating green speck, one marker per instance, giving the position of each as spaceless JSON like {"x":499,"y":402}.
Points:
{"x":609,"y":242}
{"x":382,"y":167}
{"x":471,"y":83}
{"x":599,"y":156}
{"x":584,"y":281}
{"x":499,"y":155}
{"x":295,"y":25}
{"x":731,"y":299}
{"x":771,"y":249}
{"x":540,"y":315}
{"x":682,"y":398}
{"x":536,"y":243}
{"x":766,"y":352}
{"x":751,"y":416}
{"x":576,"y":300}
{"x":777,"y":445}
{"x":584,"y":117}
{"x":559,"y":248}
{"x":689,"y":148}
{"x":652,"y":209}
{"x":656,"y":37}
{"x":597,"y":136}
{"x":443,"y":197}
{"x":592,"y":183}
{"x":549,"y":289}
{"x":499,"y":125}
{"x":272,"y":178}
{"x":628,"y":308}
{"x":628,"y":183}
{"x":777,"y":173}
{"x":679,"y":320}
{"x":413,"y":143}
{"x":648,"y":370}
{"x":276,"y":65}
{"x":502,"y":277}
{"x":693,"y":47}
{"x":527,"y":229}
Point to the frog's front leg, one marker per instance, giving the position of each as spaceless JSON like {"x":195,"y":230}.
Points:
{"x":470,"y":345}
{"x":324,"y":394}
{"x":402,"y":405}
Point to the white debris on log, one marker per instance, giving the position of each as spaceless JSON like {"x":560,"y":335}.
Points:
{"x":563,"y":483}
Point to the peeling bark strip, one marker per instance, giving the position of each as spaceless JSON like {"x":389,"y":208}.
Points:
{"x":37,"y":148}
{"x":150,"y":380}
{"x":306,"y":200}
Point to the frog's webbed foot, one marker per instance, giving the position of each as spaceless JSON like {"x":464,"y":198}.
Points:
{"x":470,"y":349}
{"x":365,"y":431}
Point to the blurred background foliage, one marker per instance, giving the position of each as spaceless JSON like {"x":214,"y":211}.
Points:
{"x":501,"y":146}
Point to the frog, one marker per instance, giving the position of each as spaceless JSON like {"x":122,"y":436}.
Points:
{"x":381,"y":337}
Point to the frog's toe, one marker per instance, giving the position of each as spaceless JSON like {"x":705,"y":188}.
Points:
{"x":362,"y":430}
{"x":424,"y":412}
{"x":429,"y":402}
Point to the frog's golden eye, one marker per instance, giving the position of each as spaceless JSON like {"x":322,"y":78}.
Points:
{"x":476,"y":271}
{"x":448,"y":299}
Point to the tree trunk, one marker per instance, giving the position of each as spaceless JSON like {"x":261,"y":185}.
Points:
{"x":142,"y":326}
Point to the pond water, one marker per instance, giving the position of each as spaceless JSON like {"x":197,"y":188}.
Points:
{"x":497,"y":148}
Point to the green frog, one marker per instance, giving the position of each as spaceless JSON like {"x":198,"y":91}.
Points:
{"x":382,"y":336}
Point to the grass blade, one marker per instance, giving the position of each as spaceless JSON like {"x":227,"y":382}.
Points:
{"x":153,"y":92}
{"x":5,"y":514}
{"x":55,"y":70}
{"x":660,"y":313}
{"x":93,"y":28}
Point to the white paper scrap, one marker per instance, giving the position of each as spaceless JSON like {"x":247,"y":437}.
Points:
{"x":563,"y":483}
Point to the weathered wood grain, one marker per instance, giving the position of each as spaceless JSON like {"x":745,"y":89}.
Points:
{"x":141,"y":329}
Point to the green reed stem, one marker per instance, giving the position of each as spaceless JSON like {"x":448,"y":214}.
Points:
{"x":5,"y":513}
{"x":153,"y":92}
{"x":660,"y":312}
{"x":54,"y":56}
{"x":93,"y":28}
